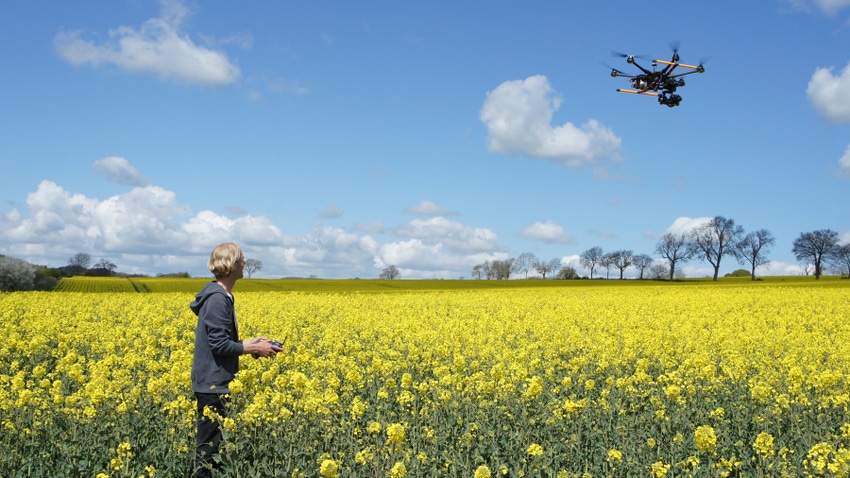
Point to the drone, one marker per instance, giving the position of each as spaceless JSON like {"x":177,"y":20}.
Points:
{"x":659,"y":83}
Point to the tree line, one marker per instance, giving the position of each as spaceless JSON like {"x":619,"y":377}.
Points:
{"x":712,"y":241}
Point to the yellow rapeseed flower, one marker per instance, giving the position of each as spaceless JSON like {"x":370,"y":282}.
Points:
{"x":329,"y":468}
{"x":399,"y":470}
{"x":482,"y":472}
{"x":395,"y":433}
{"x":763,"y":445}
{"x":659,"y":469}
{"x":705,"y":439}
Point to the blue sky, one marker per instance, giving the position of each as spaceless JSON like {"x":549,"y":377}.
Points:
{"x":336,"y":138}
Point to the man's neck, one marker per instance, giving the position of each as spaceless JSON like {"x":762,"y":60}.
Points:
{"x":227,"y":283}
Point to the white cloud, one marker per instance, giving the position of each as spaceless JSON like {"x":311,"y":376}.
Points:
{"x":684,"y":225}
{"x":417,"y":259}
{"x":832,"y":6}
{"x":118,"y":170}
{"x":159,"y":47}
{"x":142,"y":219}
{"x":844,"y":164}
{"x":438,"y":248}
{"x":147,"y":231}
{"x":830,"y":94}
{"x":451,"y":234}
{"x":829,"y":7}
{"x":518,"y":116}
{"x":428,"y":208}
{"x":548,"y":232}
{"x":332,"y":210}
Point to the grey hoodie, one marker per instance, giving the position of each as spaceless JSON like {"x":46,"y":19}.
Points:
{"x":217,"y":345}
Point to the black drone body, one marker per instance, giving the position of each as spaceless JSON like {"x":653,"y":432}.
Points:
{"x":661,"y":83}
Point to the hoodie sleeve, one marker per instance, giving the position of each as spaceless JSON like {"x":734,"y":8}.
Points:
{"x":221,"y":327}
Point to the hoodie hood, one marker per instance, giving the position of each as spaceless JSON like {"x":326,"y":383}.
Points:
{"x":212,"y":288}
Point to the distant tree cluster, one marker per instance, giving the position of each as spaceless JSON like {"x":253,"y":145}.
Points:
{"x":713,"y":241}
{"x":496,"y":269}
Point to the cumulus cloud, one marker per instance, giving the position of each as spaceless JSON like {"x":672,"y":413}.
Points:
{"x":118,"y":170}
{"x":448,"y":233}
{"x":147,"y":231}
{"x":140,"y":219}
{"x":428,"y":208}
{"x":844,"y":164}
{"x":830,"y":94}
{"x":158,"y":47}
{"x":438,"y":248}
{"x":518,"y":116}
{"x":417,"y":259}
{"x":548,"y":232}
{"x":684,"y":225}
{"x":829,"y":7}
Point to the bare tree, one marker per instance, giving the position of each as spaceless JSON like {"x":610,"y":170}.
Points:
{"x":841,"y":259}
{"x":716,"y":239}
{"x":606,"y":262}
{"x":816,"y":246}
{"x":622,"y":260}
{"x":641,"y":263}
{"x":525,"y":262}
{"x":659,"y":271}
{"x":390,"y":273}
{"x":79,"y":262}
{"x":489,"y":270}
{"x":753,"y":249}
{"x":502,"y":269}
{"x":554,"y":265}
{"x":252,"y":266}
{"x":478,"y":271}
{"x":545,"y":267}
{"x":676,"y":249}
{"x":591,"y":258}
{"x":106,"y":265}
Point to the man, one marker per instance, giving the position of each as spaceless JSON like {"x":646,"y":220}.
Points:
{"x":217,"y":351}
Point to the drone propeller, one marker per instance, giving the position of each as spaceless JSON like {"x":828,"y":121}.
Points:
{"x":674,"y":45}
{"x":615,"y":72}
{"x":628,"y":57}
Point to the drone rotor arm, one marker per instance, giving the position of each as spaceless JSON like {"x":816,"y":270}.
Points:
{"x":698,"y":68}
{"x":637,"y":92}
{"x":686,"y":73}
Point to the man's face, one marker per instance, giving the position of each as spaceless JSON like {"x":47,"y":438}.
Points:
{"x":239,"y":268}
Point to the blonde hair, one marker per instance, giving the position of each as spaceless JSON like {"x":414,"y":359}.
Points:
{"x":223,"y":258}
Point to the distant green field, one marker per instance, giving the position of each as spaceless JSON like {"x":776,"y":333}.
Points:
{"x":192,"y":285}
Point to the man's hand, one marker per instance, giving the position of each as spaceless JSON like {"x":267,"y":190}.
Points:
{"x":260,"y":347}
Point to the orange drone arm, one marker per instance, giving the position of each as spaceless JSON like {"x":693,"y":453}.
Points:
{"x":663,"y":62}
{"x":638,"y":92}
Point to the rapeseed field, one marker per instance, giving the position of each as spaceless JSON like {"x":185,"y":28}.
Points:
{"x":599,"y":379}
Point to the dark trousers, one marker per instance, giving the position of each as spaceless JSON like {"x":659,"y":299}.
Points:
{"x":209,"y":434}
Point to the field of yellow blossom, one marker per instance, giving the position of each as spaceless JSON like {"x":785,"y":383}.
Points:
{"x":442,"y":378}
